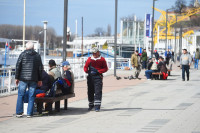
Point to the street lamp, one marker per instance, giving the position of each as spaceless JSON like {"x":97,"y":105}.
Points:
{"x":152,"y":42}
{"x":24,"y":24}
{"x":45,"y":38}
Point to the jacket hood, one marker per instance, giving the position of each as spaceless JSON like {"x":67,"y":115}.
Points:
{"x":30,"y":52}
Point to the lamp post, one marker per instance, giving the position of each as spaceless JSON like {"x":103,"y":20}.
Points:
{"x":24,"y":24}
{"x":45,"y":38}
{"x":152,"y":42}
{"x":115,"y":47}
{"x":65,"y":29}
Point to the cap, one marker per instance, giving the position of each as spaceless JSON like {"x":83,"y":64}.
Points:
{"x":136,"y":51}
{"x":65,"y":63}
{"x":95,"y":50}
{"x":52,"y":62}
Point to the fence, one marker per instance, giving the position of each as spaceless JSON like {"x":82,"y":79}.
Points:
{"x":7,"y":75}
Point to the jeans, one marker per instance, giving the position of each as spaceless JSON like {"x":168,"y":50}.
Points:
{"x":148,"y":73}
{"x":196,"y":62}
{"x":31,"y":85}
{"x":144,"y":65}
{"x":185,"y":68}
{"x":37,"y":91}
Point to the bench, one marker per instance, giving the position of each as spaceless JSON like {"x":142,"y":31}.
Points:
{"x":50,"y":100}
{"x":156,"y":75}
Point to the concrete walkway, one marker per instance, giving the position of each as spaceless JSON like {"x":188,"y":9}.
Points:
{"x":131,"y":106}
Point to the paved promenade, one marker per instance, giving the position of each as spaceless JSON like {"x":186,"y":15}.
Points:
{"x":130,"y":106}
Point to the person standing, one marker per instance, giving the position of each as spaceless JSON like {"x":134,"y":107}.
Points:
{"x":144,"y":59}
{"x":168,"y":56}
{"x":28,"y":75}
{"x":156,"y":54}
{"x":95,"y":66}
{"x":185,"y":62}
{"x":196,"y":59}
{"x":136,"y":63}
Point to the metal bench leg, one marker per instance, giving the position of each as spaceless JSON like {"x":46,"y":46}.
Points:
{"x":39,"y":107}
{"x":49,"y":107}
{"x":57,"y":106}
{"x":65,"y":104}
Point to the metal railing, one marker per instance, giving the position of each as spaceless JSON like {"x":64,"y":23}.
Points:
{"x":7,"y":75}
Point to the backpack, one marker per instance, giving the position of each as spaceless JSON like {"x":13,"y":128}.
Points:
{"x":52,"y":91}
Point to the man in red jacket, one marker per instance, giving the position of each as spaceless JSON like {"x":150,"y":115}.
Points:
{"x":95,"y":66}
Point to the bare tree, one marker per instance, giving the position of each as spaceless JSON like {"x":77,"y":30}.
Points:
{"x":179,"y":6}
{"x":99,"y":31}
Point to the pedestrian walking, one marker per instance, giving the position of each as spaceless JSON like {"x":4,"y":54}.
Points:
{"x":196,"y":59}
{"x":28,"y":75}
{"x":144,"y":59}
{"x":136,"y":63}
{"x":95,"y":67}
{"x":185,"y":62}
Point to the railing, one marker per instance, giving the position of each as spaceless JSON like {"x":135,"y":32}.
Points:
{"x":7,"y":75}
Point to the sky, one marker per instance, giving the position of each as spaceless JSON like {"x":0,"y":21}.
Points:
{"x":96,"y":13}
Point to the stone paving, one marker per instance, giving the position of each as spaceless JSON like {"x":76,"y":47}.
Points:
{"x":131,"y":106}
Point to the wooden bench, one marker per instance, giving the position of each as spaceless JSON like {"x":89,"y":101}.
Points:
{"x":156,"y":75}
{"x":50,"y":100}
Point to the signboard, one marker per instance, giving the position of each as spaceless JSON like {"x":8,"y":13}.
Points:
{"x":148,"y":25}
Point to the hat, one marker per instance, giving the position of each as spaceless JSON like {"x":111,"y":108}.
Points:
{"x":95,"y":50}
{"x":52,"y":62}
{"x":136,"y":51}
{"x":65,"y":63}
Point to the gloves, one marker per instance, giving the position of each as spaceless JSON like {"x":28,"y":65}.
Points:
{"x":60,"y":82}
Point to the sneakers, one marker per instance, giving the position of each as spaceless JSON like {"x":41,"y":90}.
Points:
{"x":29,"y":116}
{"x":148,"y":79}
{"x":90,"y":108}
{"x":19,"y":115}
{"x":97,"y":108}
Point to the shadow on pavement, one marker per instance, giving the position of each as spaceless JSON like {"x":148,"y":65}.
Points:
{"x":71,"y":111}
{"x":133,"y":109}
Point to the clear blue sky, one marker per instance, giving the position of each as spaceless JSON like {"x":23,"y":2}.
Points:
{"x":96,"y":13}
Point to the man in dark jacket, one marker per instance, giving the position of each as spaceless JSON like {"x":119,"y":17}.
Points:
{"x":28,"y":75}
{"x":144,"y":59}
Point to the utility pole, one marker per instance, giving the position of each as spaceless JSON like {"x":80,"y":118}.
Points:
{"x":115,"y":47}
{"x":65,"y":29}
{"x":152,"y":42}
{"x":175,"y":54}
{"x":166,"y":30}
{"x":82,"y":39}
{"x":180,"y":42}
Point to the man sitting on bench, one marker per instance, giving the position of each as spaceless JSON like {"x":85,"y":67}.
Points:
{"x":152,"y":68}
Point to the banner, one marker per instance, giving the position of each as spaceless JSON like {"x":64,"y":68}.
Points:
{"x":148,"y":25}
